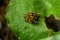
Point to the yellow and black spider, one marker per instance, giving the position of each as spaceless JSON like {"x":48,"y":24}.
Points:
{"x":31,"y":17}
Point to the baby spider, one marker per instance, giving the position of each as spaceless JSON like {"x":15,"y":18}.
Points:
{"x":31,"y":17}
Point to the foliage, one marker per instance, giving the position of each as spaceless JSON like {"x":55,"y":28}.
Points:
{"x":16,"y":11}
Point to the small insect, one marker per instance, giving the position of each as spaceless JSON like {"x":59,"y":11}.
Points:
{"x":31,"y":18}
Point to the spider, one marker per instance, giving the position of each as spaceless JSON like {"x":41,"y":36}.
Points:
{"x":31,"y":17}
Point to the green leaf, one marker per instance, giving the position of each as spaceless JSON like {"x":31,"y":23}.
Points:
{"x":16,"y":11}
{"x":55,"y":7}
